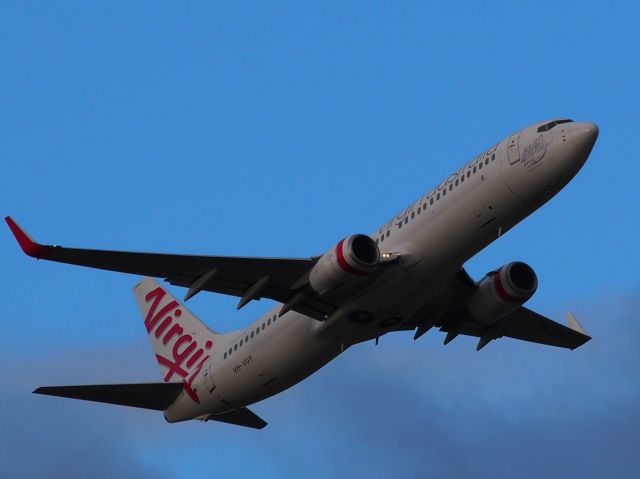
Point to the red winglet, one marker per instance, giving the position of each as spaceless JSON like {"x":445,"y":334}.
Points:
{"x":30,"y":247}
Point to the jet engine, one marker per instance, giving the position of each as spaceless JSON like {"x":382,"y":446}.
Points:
{"x":345,"y":265}
{"x":503,"y":291}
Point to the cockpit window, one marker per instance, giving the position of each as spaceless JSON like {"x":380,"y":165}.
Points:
{"x":551,"y":124}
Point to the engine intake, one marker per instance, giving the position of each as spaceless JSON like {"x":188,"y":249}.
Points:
{"x":345,"y":264}
{"x":503,"y":291}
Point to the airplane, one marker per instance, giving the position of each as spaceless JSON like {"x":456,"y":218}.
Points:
{"x":408,"y":275}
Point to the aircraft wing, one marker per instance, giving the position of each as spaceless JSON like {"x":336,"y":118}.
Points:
{"x":246,"y":277}
{"x":528,"y":325}
{"x":524,"y":324}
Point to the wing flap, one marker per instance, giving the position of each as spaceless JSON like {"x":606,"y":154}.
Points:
{"x":157,"y":396}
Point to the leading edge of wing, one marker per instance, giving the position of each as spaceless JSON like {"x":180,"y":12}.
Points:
{"x":150,"y":264}
{"x":233,"y":275}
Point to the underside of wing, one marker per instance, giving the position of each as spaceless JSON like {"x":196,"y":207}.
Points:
{"x":451,"y":315}
{"x":522,"y":324}
{"x":530,"y":326}
{"x":273,"y":278}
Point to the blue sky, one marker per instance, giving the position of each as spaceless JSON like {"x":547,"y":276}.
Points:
{"x":274,"y":130}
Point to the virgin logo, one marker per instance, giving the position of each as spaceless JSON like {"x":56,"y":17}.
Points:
{"x":186,"y":359}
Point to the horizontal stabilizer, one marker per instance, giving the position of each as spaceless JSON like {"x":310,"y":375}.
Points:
{"x":156,"y":396}
{"x":239,"y":417}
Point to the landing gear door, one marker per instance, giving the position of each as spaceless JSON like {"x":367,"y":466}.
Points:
{"x":513,"y":149}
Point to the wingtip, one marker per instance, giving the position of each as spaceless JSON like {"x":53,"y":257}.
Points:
{"x":575,"y":325}
{"x":28,"y":245}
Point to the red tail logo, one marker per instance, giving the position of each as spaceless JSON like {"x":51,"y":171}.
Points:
{"x":186,"y":358}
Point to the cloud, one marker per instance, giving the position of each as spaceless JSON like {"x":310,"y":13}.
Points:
{"x":60,"y":441}
{"x":403,"y":408}
{"x":514,"y":409}
{"x":50,"y":437}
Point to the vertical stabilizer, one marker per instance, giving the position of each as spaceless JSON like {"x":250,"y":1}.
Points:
{"x":181,"y":342}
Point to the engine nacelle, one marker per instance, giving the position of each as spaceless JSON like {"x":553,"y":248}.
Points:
{"x":345,"y":265}
{"x":503,"y":291}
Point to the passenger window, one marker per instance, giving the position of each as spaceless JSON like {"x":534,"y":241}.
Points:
{"x":225,"y":355}
{"x":456,"y":182}
{"x":230,"y":349}
{"x":480,"y":165}
{"x":474,"y":169}
{"x":241,"y":342}
{"x":258,"y":330}
{"x":462,"y":179}
{"x":486,"y":162}
{"x":263,"y":326}
{"x":438,"y":196}
{"x":444,"y":192}
{"x":376,"y":240}
{"x":235,"y":347}
{"x":252,"y":334}
{"x":468,"y":174}
{"x":382,"y":239}
{"x":388,"y":233}
{"x":246,"y":338}
{"x":419,"y":209}
{"x":413,"y":214}
{"x":268,"y":321}
{"x":450,"y":186}
{"x":406,"y":220}
{"x":431,"y":201}
{"x":493,"y":157}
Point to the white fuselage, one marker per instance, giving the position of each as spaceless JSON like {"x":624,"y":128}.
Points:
{"x":433,"y":237}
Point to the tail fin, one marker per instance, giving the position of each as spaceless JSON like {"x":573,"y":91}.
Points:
{"x":181,"y":342}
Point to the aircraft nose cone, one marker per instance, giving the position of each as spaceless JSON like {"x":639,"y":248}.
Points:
{"x":584,"y":136}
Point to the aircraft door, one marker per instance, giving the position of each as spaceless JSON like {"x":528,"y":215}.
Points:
{"x":513,"y":149}
{"x":208,"y":378}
